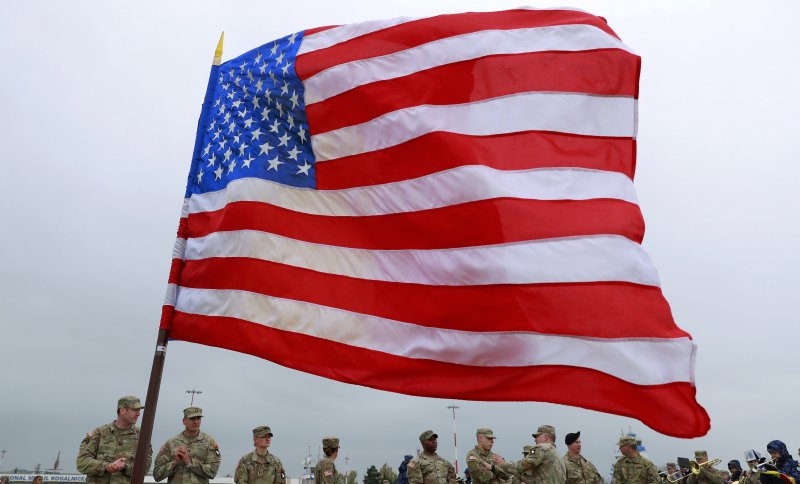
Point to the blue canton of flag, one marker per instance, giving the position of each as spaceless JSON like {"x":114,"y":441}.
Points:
{"x":256,"y":123}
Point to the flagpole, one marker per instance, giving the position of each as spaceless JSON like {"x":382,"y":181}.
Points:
{"x":153,"y":387}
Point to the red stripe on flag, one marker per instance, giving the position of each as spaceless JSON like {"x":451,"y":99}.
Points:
{"x":439,"y":151}
{"x":175,"y":271}
{"x":485,"y":222}
{"x":599,"y":309}
{"x":315,"y":30}
{"x":167,"y":312}
{"x":606,"y":72}
{"x":419,"y":32}
{"x":670,"y":409}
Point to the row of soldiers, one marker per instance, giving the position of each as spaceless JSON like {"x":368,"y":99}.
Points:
{"x":108,"y":453}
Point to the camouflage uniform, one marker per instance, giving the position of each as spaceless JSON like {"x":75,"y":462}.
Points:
{"x":526,"y":477}
{"x":482,"y":468}
{"x":259,"y":469}
{"x":428,"y":468}
{"x":107,"y":443}
{"x":545,"y":465}
{"x":635,"y":470}
{"x":750,"y":477}
{"x":325,"y":471}
{"x":255,"y":468}
{"x":203,"y":452}
{"x":706,"y":474}
{"x":581,"y":471}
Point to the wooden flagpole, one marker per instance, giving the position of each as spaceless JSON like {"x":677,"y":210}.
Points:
{"x":153,"y":387}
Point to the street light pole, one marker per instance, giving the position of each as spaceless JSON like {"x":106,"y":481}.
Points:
{"x":455,"y":438}
{"x":193,"y":392}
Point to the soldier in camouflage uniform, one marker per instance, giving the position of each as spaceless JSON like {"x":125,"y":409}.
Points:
{"x":543,"y":460}
{"x":525,"y":477}
{"x":706,"y":474}
{"x":752,"y":476}
{"x":427,"y":467}
{"x":325,"y":471}
{"x":632,"y":468}
{"x":191,"y":457}
{"x":108,"y":452}
{"x":484,"y":466}
{"x":259,"y":466}
{"x":579,"y":469}
{"x":671,"y":472}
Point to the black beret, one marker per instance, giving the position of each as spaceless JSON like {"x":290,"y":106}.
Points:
{"x":570,"y":438}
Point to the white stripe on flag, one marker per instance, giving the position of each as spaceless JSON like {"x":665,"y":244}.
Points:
{"x":170,"y":298}
{"x":569,"y":259}
{"x":581,"y":114}
{"x":344,"y":77}
{"x":451,"y":187}
{"x":343,"y":33}
{"x":179,"y":248}
{"x":643,"y":361}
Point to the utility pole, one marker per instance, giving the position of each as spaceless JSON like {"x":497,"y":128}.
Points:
{"x":2,"y":457}
{"x":193,"y":392}
{"x":346,"y":472}
{"x":455,"y":433}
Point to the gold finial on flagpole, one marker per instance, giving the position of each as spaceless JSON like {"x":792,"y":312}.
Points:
{"x":218,"y":52}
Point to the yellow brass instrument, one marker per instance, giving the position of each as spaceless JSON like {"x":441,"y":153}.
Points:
{"x":696,"y":468}
{"x":675,"y":476}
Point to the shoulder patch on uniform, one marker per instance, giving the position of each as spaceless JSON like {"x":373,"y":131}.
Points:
{"x":328,"y":473}
{"x":472,"y":457}
{"x":412,"y":464}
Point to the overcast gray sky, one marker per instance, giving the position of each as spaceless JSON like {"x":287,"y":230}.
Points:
{"x":100,"y":102}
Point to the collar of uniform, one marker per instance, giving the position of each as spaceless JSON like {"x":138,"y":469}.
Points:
{"x":114,"y":428}
{"x":256,"y":455}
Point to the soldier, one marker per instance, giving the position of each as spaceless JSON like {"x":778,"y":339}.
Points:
{"x":259,"y":466}
{"x":706,"y":473}
{"x":632,"y":468}
{"x":579,"y":469}
{"x":191,"y":457}
{"x":752,"y":476}
{"x":484,"y":466}
{"x":543,"y":460}
{"x":672,"y":474}
{"x":735,"y":468}
{"x":108,"y":452}
{"x":526,"y":477}
{"x":427,"y":467}
{"x":325,"y":472}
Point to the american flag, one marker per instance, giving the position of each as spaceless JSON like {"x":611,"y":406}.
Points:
{"x":440,"y":206}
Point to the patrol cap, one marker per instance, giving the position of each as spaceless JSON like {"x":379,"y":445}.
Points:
{"x":428,"y":434}
{"x":627,"y":440}
{"x":192,"y":412}
{"x":735,"y":464}
{"x":330,"y":442}
{"x":262,"y":431}
{"x":129,"y":401}
{"x":569,"y":439}
{"x":545,"y":429}
{"x":700,"y":454}
{"x":486,"y":432}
